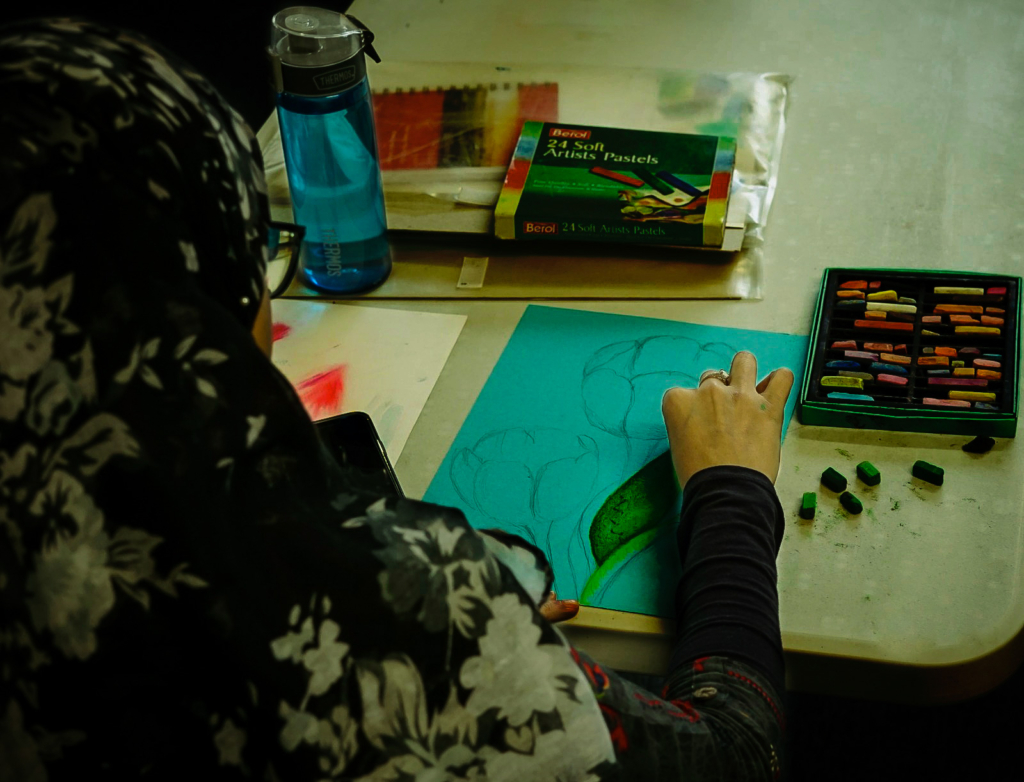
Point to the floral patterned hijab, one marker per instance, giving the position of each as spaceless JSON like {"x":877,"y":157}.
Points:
{"x":188,"y":590}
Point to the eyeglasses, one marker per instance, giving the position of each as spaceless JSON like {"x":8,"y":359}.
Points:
{"x":284,"y":243}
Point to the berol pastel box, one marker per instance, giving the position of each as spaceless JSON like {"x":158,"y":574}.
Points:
{"x":584,"y":183}
{"x":922,"y":351}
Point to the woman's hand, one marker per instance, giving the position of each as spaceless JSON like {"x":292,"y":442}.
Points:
{"x":555,"y":610}
{"x":739,"y":424}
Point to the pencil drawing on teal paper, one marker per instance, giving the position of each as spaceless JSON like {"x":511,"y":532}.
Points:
{"x":566,"y":446}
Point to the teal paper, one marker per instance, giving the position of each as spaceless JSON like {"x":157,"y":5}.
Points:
{"x":573,"y":409}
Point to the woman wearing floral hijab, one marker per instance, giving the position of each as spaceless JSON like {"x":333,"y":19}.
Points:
{"x":188,"y":589}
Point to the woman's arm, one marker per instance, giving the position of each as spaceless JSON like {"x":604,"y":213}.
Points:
{"x":718,"y":716}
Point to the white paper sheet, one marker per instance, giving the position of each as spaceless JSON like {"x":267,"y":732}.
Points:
{"x":384,"y":362}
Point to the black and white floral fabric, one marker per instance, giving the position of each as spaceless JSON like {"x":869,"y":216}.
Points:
{"x":187,"y":588}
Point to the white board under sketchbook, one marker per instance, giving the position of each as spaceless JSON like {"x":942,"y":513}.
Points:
{"x":383,"y":362}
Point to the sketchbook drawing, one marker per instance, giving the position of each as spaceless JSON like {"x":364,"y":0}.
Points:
{"x":566,"y":446}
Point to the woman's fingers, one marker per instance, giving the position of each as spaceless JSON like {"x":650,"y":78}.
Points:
{"x":777,"y":389}
{"x":743,"y":374}
{"x":555,"y":610}
{"x":676,"y":403}
{"x":764,"y":382}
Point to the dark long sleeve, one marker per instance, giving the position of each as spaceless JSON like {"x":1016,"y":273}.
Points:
{"x":727,"y":600}
{"x":718,"y":715}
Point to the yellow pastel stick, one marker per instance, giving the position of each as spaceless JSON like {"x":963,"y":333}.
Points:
{"x":888,"y":306}
{"x":973,"y":396}
{"x":843,"y":382}
{"x":884,"y":296}
{"x":977,"y":330}
{"x":940,"y":291}
{"x":963,"y":372}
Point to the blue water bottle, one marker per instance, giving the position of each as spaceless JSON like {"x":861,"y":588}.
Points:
{"x":325,"y":112}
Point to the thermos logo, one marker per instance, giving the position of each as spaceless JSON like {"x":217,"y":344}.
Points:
{"x":332,"y":253}
{"x":338,"y":78}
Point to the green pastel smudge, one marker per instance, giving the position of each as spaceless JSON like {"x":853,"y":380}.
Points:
{"x":637,"y":505}
{"x":631,"y":518}
{"x":842,"y":452}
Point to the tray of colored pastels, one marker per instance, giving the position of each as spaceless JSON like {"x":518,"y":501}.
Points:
{"x":917,"y":351}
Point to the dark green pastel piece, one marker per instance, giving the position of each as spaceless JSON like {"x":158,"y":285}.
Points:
{"x":808,"y":505}
{"x":833,"y":480}
{"x":928,"y":472}
{"x":851,"y":503}
{"x":868,"y":473}
{"x":979,"y":445}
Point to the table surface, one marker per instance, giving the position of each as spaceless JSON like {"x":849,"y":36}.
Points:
{"x":902,"y":149}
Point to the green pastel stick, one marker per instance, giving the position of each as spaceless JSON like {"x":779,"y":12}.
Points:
{"x":652,"y":181}
{"x":808,"y":505}
{"x":868,"y":473}
{"x":928,"y":472}
{"x":833,"y":479}
{"x":851,"y":503}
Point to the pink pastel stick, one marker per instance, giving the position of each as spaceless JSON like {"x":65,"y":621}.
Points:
{"x":892,"y":380}
{"x":986,"y":363}
{"x":996,"y":291}
{"x":861,"y":354}
{"x":931,"y":319}
{"x":957,"y":381}
{"x":848,"y":344}
{"x":946,"y":402}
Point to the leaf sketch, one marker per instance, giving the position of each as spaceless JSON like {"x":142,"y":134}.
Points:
{"x":527,"y":480}
{"x":630,"y":519}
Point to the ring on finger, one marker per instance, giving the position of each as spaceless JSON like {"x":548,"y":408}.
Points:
{"x":718,"y":374}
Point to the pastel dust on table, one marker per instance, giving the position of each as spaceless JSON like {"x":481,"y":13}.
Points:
{"x":280,"y":331}
{"x":907,"y":356}
{"x":323,"y":393}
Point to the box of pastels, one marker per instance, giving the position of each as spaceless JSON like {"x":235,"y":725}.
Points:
{"x":914,"y":351}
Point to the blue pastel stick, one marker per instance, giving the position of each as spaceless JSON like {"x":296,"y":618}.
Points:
{"x":842,"y":365}
{"x":984,"y":406}
{"x":993,"y":356}
{"x":938,"y":372}
{"x":892,"y":369}
{"x":851,"y":303}
{"x":852,"y":397}
{"x":679,"y":184}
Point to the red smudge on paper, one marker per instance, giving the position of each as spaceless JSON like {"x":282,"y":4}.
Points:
{"x":322,"y":393}
{"x":281,"y":330}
